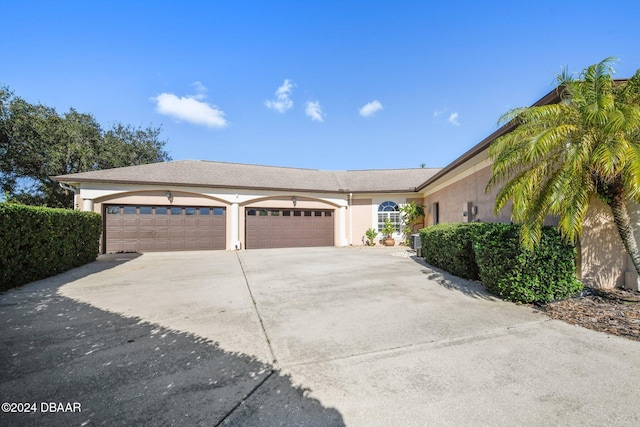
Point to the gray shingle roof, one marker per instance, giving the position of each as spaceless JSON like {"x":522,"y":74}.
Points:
{"x":202,"y":173}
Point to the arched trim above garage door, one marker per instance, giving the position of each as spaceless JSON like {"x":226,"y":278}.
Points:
{"x":175,"y":197}
{"x":301,"y":202}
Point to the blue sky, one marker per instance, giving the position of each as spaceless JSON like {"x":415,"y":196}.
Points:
{"x":326,"y":85}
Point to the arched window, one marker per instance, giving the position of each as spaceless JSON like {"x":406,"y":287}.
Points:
{"x":388,"y":210}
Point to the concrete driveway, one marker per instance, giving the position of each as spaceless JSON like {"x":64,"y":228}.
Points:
{"x":317,"y":336}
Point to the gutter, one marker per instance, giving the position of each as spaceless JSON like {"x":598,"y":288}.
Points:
{"x":68,"y":188}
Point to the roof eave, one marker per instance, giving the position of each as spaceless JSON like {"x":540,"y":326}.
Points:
{"x":239,"y":187}
{"x":550,"y":98}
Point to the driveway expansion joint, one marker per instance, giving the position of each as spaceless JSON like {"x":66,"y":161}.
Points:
{"x":245,"y":397}
{"x":255,"y":307}
{"x":435,"y":344}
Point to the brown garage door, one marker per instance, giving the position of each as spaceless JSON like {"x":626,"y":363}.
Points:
{"x":278,"y":228}
{"x":163,"y":228}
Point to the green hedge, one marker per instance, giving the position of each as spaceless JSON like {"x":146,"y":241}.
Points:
{"x":450,"y":247}
{"x":508,"y":270}
{"x":493,"y":254}
{"x":41,"y":242}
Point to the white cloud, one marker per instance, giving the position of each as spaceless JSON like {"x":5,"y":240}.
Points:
{"x":371,"y":108}
{"x":314,"y":110}
{"x":200,"y":89}
{"x":191,"y":108}
{"x":439,"y":112}
{"x":283,"y":101}
{"x":453,"y":119}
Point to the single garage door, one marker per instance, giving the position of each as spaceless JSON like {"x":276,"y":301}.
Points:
{"x":164,"y":228}
{"x":288,"y":228}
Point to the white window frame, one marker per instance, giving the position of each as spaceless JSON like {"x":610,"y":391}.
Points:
{"x":389,"y":210}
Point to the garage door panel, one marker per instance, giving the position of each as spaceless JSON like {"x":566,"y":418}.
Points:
{"x":161,"y":245}
{"x":190,"y":245}
{"x":190,"y":233}
{"x":152,"y":228}
{"x":176,"y":232}
{"x":288,"y":228}
{"x":129,"y":222}
{"x":129,"y":233}
{"x":146,"y":245}
{"x":130,"y":245}
{"x":161,"y":221}
{"x":145,"y":221}
{"x":146,"y":234}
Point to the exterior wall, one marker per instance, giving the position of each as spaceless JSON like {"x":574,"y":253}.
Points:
{"x":453,"y":198}
{"x":365,"y":213}
{"x":361,"y":220}
{"x":603,"y":260}
{"x":465,"y":192}
{"x":632,"y":281}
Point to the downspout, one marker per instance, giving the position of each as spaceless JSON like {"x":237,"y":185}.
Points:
{"x":350,"y":220}
{"x":70,"y":188}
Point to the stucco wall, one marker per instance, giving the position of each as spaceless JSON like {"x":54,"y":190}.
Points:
{"x":453,"y":198}
{"x":361,"y":220}
{"x":603,"y":257}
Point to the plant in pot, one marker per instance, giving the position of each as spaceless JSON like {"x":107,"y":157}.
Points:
{"x":371,"y":235}
{"x":387,"y":233}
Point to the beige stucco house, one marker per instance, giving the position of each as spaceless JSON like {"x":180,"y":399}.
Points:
{"x":193,"y":205}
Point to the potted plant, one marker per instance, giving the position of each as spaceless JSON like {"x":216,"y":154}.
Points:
{"x":371,"y":235}
{"x":387,"y":233}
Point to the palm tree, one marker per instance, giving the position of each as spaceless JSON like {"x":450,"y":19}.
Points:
{"x":560,"y":155}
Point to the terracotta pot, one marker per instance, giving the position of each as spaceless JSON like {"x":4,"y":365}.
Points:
{"x":389,"y":241}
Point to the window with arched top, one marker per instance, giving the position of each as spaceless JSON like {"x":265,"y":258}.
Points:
{"x":389,"y":211}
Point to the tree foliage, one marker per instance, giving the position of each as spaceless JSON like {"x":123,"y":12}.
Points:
{"x":36,"y":142}
{"x":560,"y":155}
{"x":412,"y":215}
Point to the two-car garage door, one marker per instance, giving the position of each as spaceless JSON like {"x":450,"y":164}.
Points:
{"x":288,"y":228}
{"x":145,"y":228}
{"x":164,"y":228}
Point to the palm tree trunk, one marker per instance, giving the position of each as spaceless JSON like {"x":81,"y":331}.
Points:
{"x":618,"y":205}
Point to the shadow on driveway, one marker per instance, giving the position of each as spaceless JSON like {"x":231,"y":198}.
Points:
{"x":123,"y":371}
{"x":446,"y":280}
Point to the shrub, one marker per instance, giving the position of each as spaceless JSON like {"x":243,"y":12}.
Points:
{"x":41,"y":242}
{"x":450,"y":247}
{"x":506,"y":269}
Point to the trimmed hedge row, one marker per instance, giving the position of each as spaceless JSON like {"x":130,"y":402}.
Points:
{"x":493,"y":253}
{"x":41,"y":242}
{"x":450,"y":248}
